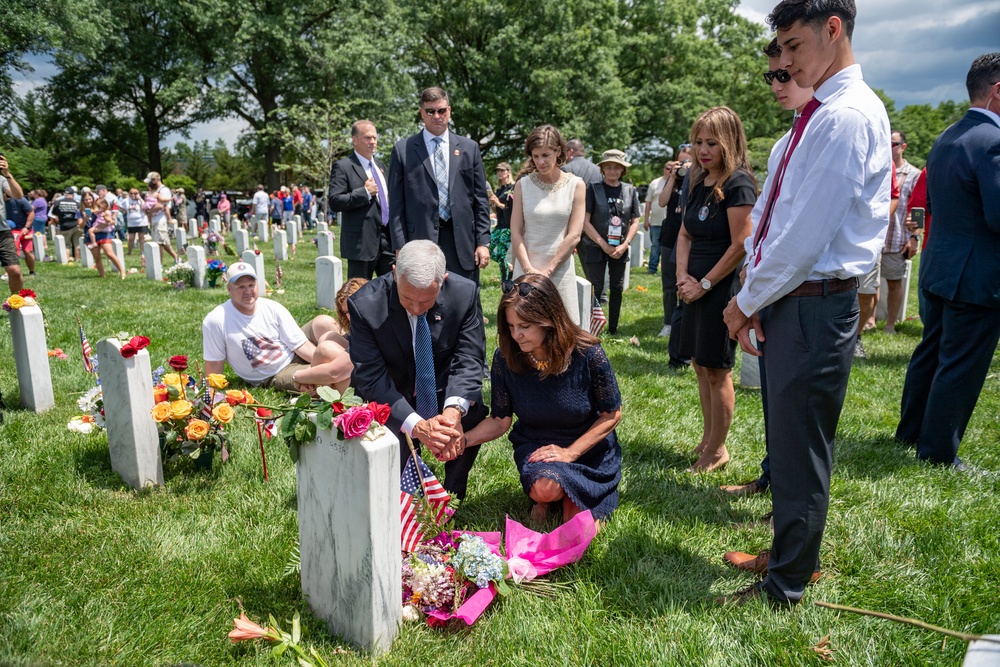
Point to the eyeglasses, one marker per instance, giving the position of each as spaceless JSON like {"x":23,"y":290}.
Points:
{"x":896,"y":144}
{"x":524,"y":289}
{"x":436,"y":112}
{"x":684,"y":147}
{"x":781,"y":75}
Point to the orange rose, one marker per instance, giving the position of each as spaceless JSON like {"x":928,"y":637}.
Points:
{"x":247,"y":398}
{"x":196,"y":430}
{"x":223,"y":413}
{"x":235,"y":397}
{"x":217,"y":381}
{"x":180,"y":409}
{"x":161,"y":412}
{"x":160,"y":393}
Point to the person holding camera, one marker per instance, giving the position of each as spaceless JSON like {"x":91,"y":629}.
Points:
{"x":8,"y":247}
{"x":669,"y":198}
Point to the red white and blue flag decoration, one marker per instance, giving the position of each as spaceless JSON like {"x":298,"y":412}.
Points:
{"x":410,"y":494}
{"x":597,"y":318}
{"x":88,"y":352}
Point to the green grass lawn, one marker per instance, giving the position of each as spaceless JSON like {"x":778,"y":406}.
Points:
{"x":92,"y":573}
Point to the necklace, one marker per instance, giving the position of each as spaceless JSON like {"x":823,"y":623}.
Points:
{"x":539,"y":365}
{"x":549,"y":187}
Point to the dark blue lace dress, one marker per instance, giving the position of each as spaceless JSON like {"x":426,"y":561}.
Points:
{"x":558,"y":410}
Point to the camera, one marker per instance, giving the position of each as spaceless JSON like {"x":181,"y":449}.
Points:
{"x":917,"y":215}
{"x":682,"y":171}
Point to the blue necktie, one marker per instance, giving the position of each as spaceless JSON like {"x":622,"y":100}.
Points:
{"x":441,"y":176}
{"x":383,"y":204}
{"x":423,"y":358}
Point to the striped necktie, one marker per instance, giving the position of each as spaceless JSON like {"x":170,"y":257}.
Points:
{"x":441,"y":176}
{"x":423,"y":358}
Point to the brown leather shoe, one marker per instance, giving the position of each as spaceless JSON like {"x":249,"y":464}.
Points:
{"x":758,"y":564}
{"x":745,"y":489}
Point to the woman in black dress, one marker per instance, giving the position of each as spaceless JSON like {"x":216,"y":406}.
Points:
{"x":716,"y":221}
{"x":556,"y":378}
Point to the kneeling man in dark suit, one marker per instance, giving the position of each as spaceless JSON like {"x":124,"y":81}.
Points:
{"x":417,"y":344}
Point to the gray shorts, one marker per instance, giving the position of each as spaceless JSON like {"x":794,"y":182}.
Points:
{"x":870,"y":281}
{"x":159,"y":233}
{"x":893,"y":265}
{"x":282,"y":380}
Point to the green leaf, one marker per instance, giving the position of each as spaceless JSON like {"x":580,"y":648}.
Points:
{"x":288,"y":423}
{"x":324,"y":418}
{"x":303,"y":402}
{"x":293,"y":450}
{"x":502,"y":587}
{"x":279,"y":650}
{"x":305,"y":430}
{"x":296,"y":628}
{"x":328,"y":394}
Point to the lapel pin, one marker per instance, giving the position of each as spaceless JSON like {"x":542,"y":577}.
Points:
{"x":437,"y":317}
{"x":456,"y":152}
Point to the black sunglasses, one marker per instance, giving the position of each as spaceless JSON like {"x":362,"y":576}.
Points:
{"x":524,"y":289}
{"x":436,"y":112}
{"x":897,"y":143}
{"x":781,"y":75}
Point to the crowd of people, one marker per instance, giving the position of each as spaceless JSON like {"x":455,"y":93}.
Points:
{"x":779,"y":269}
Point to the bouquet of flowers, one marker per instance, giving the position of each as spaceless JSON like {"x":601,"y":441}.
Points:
{"x":214,"y":271}
{"x":179,"y":275}
{"x":189,"y":420}
{"x":91,"y":405}
{"x":25,"y":297}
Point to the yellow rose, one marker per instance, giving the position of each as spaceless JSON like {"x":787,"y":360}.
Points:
{"x":223,"y":413}
{"x":161,"y":412}
{"x":196,"y":430}
{"x":15,"y":301}
{"x":217,"y":381}
{"x":171,"y":380}
{"x":180,"y":409}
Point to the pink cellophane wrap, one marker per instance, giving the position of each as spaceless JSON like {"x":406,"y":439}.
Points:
{"x":543,"y":551}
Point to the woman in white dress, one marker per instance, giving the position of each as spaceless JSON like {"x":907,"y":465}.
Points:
{"x":547,"y":217}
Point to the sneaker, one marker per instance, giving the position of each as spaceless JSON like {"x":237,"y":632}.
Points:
{"x":4,"y":277}
{"x":859,"y":350}
{"x":664,"y":332}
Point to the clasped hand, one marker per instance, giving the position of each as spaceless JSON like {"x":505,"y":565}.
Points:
{"x":442,"y":435}
{"x":689,"y":289}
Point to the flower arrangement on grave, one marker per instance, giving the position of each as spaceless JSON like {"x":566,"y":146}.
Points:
{"x":179,"y":275}
{"x":191,"y":423}
{"x":352,"y":417}
{"x":25,"y":297}
{"x":91,"y":404}
{"x":215,"y":269}
{"x":212,"y":239}
{"x":132,"y":344}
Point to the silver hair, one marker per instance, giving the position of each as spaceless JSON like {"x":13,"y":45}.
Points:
{"x":421,"y":264}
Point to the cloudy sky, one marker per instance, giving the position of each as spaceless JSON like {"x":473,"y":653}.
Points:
{"x":917,"y":51}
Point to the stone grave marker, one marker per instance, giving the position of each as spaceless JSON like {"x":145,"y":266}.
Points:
{"x":257,"y":262}
{"x":242,"y":239}
{"x":180,"y":240}
{"x":151,"y":251}
{"x":749,"y":367}
{"x":280,"y":245}
{"x":86,"y":258}
{"x":298,"y":219}
{"x":983,"y":652}
{"x":585,"y":301}
{"x":647,"y":241}
{"x":607,"y":279}
{"x":293,"y":227}
{"x":59,"y":243}
{"x":636,"y":250}
{"x":119,"y":249}
{"x":329,"y":279}
{"x":196,"y":258}
{"x":215,"y":225}
{"x":133,"y":441}
{"x":38,"y":240}
{"x":53,"y":232}
{"x":31,"y":358}
{"x":264,"y":231}
{"x":349,"y":535}
{"x":324,"y":244}
{"x":322,"y":226}
{"x":192,"y":230}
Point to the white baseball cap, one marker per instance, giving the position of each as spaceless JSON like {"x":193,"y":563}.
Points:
{"x":238,"y":270}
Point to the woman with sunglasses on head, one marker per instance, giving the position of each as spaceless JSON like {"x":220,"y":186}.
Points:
{"x":547,"y":219}
{"x":557,"y":379}
{"x":716,"y":222}
{"x":500,"y":236}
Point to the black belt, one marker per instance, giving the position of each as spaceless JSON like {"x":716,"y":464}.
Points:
{"x":824,"y":287}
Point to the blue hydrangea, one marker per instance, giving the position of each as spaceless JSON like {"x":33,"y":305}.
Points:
{"x":158,"y":375}
{"x":477,"y":563}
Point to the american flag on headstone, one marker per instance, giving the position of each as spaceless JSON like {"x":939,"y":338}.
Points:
{"x":409,"y":494}
{"x":597,"y":318}
{"x":88,"y":352}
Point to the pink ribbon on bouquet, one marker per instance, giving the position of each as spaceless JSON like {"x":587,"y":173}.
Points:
{"x":529,"y":555}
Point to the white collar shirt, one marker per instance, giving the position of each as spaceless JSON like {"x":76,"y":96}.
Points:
{"x":832,"y":213}
{"x":430,"y":143}
{"x":989,"y":114}
{"x":372,"y":171}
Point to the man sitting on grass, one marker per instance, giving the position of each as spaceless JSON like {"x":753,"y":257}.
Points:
{"x":265,"y":347}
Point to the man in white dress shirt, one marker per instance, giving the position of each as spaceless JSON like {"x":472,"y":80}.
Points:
{"x":821,"y":227}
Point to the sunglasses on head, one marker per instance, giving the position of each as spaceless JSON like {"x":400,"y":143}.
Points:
{"x":781,"y":75}
{"x":684,"y":147}
{"x":436,"y":112}
{"x":524,"y":289}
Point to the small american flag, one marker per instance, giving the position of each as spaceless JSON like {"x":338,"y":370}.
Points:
{"x":597,"y":318}
{"x":409,"y":486}
{"x":206,"y":404}
{"x":88,"y":363}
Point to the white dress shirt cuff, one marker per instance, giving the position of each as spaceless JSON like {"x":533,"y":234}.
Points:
{"x":458,"y":402}
{"x":410,"y":422}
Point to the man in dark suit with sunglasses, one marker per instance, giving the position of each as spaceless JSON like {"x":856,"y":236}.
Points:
{"x":437,"y":190}
{"x":388,"y":316}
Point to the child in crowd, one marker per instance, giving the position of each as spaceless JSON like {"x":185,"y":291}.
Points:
{"x":100,"y":231}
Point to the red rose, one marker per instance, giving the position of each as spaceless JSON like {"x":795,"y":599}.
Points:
{"x":138,"y":342}
{"x":382,"y":412}
{"x":338,"y":408}
{"x":264,"y":413}
{"x":128,"y":350}
{"x":26,"y":293}
{"x":178,"y":362}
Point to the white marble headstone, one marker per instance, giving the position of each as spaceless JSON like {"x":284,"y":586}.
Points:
{"x":59,"y":243}
{"x":324,"y":244}
{"x":983,"y":652}
{"x":647,"y":241}
{"x":264,"y":230}
{"x":329,"y":279}
{"x":242,"y":239}
{"x":53,"y":232}
{"x":298,"y":219}
{"x":128,"y":397}
{"x":196,"y":258}
{"x":215,"y":225}
{"x":607,"y":278}
{"x":119,"y":249}
{"x":349,"y":536}
{"x":31,"y":358}
{"x":180,"y":240}
{"x":38,"y":240}
{"x":636,"y":250}
{"x":86,"y":257}
{"x":257,"y":262}
{"x":193,"y":230}
{"x":585,"y":300}
{"x":750,"y":367}
{"x":293,"y":227}
{"x":151,"y":253}
{"x":322,"y":226}
{"x":280,"y":245}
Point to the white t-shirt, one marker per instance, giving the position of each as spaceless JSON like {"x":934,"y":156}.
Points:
{"x":261,"y":203}
{"x":656,"y":212}
{"x":256,"y":346}
{"x":134,"y":215}
{"x":163,"y":194}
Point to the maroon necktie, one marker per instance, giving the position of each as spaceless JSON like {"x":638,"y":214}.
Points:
{"x":798,"y":127}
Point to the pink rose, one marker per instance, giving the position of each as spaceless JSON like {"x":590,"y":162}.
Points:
{"x":355,"y":422}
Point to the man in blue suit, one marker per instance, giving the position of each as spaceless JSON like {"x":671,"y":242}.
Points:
{"x":437,"y":190}
{"x":959,"y":275}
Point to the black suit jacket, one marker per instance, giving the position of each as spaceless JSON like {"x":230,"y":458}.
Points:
{"x":362,"y":219}
{"x":382,"y":345}
{"x":962,"y":258}
{"x":413,"y":195}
